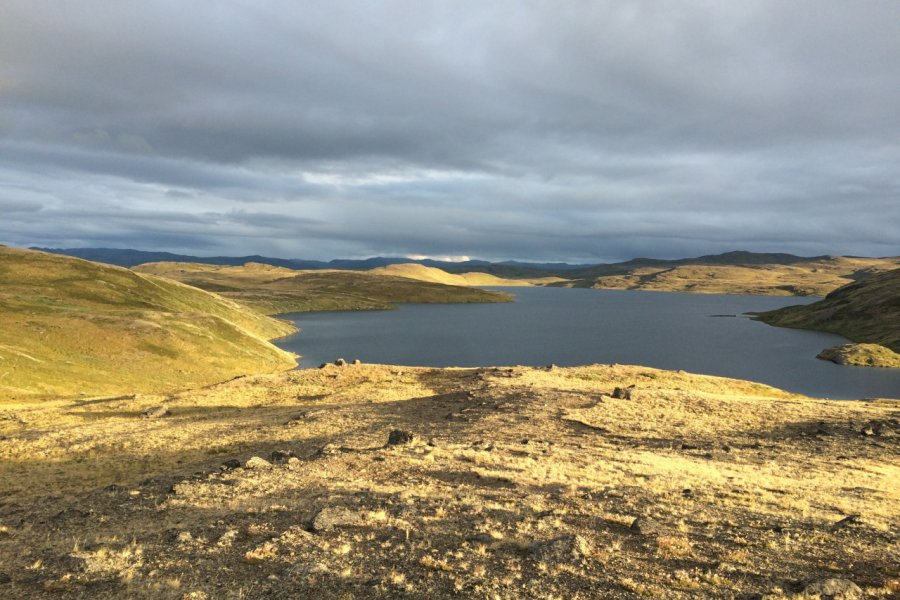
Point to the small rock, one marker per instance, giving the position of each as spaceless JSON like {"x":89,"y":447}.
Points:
{"x":281,"y":456}
{"x":331,"y":517}
{"x":293,"y":461}
{"x":324,"y":365}
{"x":871,"y":429}
{"x":356,"y":361}
{"x":398,"y":437}
{"x":329,"y":449}
{"x":689,"y":447}
{"x":185,"y":537}
{"x":563,"y":549}
{"x":5,"y":578}
{"x":481,"y":538}
{"x":255,"y":462}
{"x":833,"y":589}
{"x":340,"y":362}
{"x":623,"y":393}
{"x":155,"y":412}
{"x":821,"y":429}
{"x":846,"y":522}
{"x":687,"y":493}
{"x":231,"y":463}
{"x":645,"y":526}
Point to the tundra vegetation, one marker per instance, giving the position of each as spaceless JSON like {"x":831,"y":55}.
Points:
{"x":125,"y":471}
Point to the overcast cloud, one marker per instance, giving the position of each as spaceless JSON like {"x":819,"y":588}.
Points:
{"x":542,"y":130}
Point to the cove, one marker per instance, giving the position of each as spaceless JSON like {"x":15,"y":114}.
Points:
{"x":571,"y":327}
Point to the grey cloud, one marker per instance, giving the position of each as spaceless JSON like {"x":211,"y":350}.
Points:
{"x":540,"y":130}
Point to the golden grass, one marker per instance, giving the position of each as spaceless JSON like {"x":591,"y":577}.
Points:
{"x":520,"y":483}
{"x":866,"y":311}
{"x":274,"y":290}
{"x":69,"y":326}
{"x":812,"y":278}
{"x":435,"y":275}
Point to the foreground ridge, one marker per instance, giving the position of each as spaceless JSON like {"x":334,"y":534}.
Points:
{"x":394,"y":482}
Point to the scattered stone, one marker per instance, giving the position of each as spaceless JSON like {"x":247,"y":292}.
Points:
{"x":282,"y":456}
{"x":847,"y":521}
{"x":255,"y":462}
{"x":563,"y":549}
{"x":155,"y":412}
{"x":231,"y":463}
{"x":833,"y":589}
{"x":185,"y":537}
{"x":336,"y":517}
{"x":340,"y":362}
{"x":873,"y":428}
{"x":5,"y":578}
{"x":481,"y":538}
{"x":687,"y":493}
{"x":329,"y":449}
{"x":293,"y":461}
{"x":646,"y":526}
{"x":623,"y":393}
{"x":398,"y":437}
{"x":70,"y":513}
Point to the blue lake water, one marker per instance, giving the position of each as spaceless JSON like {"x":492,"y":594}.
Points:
{"x":578,"y":326}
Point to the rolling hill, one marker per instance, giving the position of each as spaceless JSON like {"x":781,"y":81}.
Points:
{"x":737,"y":272}
{"x":274,"y":290}
{"x":865,"y":311}
{"x":473,"y":278}
{"x":69,"y":326}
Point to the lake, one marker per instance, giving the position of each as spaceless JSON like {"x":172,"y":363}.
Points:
{"x":571,"y":327}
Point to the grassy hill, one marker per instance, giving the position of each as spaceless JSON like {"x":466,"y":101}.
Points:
{"x":473,"y":278}
{"x":865,"y":311}
{"x":70,"y":326}
{"x":274,"y":290}
{"x":746,"y":273}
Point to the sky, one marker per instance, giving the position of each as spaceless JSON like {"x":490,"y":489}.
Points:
{"x":566,"y":130}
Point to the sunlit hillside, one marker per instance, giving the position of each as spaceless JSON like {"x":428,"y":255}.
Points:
{"x":69,"y":326}
{"x":274,"y":290}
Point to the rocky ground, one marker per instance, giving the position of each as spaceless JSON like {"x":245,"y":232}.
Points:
{"x":367,"y":481}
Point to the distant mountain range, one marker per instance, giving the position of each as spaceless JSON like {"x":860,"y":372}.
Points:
{"x":130,"y":258}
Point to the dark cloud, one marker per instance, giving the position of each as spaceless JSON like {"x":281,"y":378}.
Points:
{"x":531,"y":130}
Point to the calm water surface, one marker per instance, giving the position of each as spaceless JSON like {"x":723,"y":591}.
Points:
{"x":578,"y":327}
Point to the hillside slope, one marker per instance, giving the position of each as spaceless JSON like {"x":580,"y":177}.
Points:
{"x":865,"y":311}
{"x":401,"y":483}
{"x":274,"y":290}
{"x":748,"y":274}
{"x":70,"y":326}
{"x":435,"y":275}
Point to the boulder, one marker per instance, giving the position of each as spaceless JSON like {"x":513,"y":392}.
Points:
{"x":833,"y":589}
{"x":562,"y":549}
{"x":330,"y":518}
{"x":623,"y":393}
{"x":398,"y":437}
{"x":260,"y":464}
{"x":155,"y":412}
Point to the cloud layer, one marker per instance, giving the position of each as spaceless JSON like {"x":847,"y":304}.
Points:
{"x":531,"y":130}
